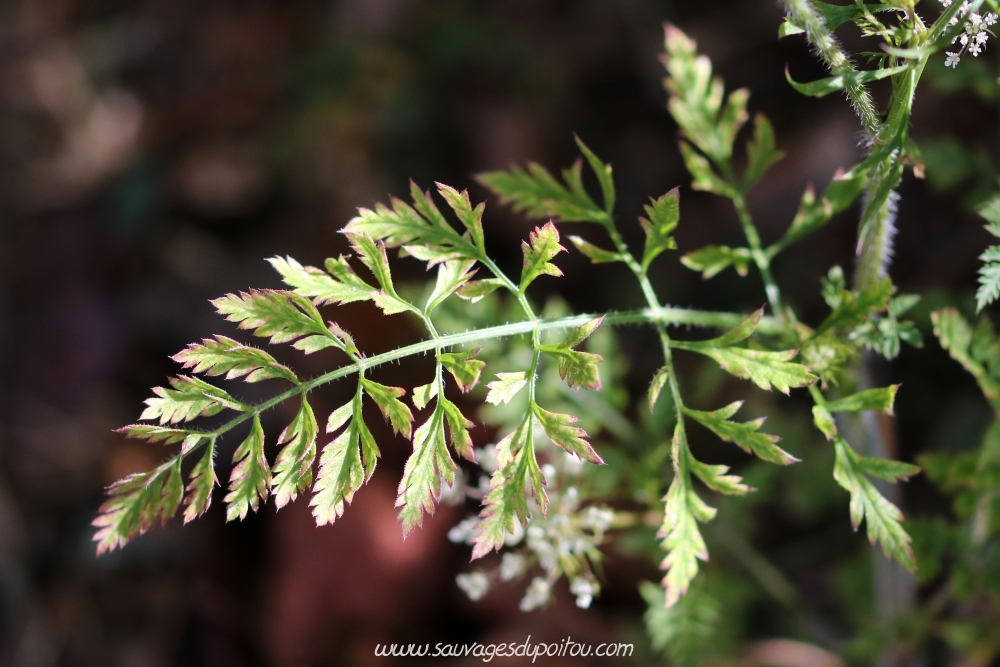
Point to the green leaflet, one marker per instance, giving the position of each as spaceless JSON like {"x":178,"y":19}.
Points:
{"x":345,"y":463}
{"x":421,"y":228}
{"x":293,"y":467}
{"x":764,"y":369}
{"x":560,"y":429}
{"x":842,"y":191}
{"x":715,"y":478}
{"x":745,"y":435}
{"x":472,"y":218}
{"x":430,"y":462}
{"x":696,"y":99}
{"x":423,"y":394}
{"x":458,"y":430}
{"x":879,"y":400}
{"x":824,"y":421}
{"x":476,"y":289}
{"x":387,"y":400}
{"x":703,"y":176}
{"x":505,"y":387}
{"x":372,"y":255}
{"x":137,"y":503}
{"x":280,"y":316}
{"x":681,"y":632}
{"x":712,"y":259}
{"x":452,"y":275}
{"x":153,"y":433}
{"x":597,"y":255}
{"x":854,"y":307}
{"x":516,"y":475}
{"x":187,"y":399}
{"x":836,"y":15}
{"x":867,"y":503}
{"x":539,"y":195}
{"x":203,"y":481}
{"x":680,"y":536}
{"x":843,"y":80}
{"x":222,"y":355}
{"x":663,"y":216}
{"x":656,"y":386}
{"x":761,"y":151}
{"x":464,"y":367}
{"x":343,"y":286}
{"x":250,"y":480}
{"x":603,"y":173}
{"x":579,"y":369}
{"x":544,"y":245}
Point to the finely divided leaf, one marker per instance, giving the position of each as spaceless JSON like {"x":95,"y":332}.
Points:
{"x":544,"y":245}
{"x":187,"y":399}
{"x":250,"y":480}
{"x":458,"y":430}
{"x":472,"y":218}
{"x":223,"y":355}
{"x":387,"y":400}
{"x":696,"y":98}
{"x":539,"y":195}
{"x":681,"y":538}
{"x":579,"y":369}
{"x":745,"y":435}
{"x":989,"y":278}
{"x":343,"y":286}
{"x":282,"y":316}
{"x":153,"y":433}
{"x":764,"y":369}
{"x":603,"y":173}
{"x":867,"y":503}
{"x":341,"y":471}
{"x":203,"y":481}
{"x":293,"y":467}
{"x":423,"y":394}
{"x":505,"y":387}
{"x":517,"y":474}
{"x":137,"y":503}
{"x":464,"y":367}
{"x":560,"y":429}
{"x":420,"y":487}
{"x":663,"y":216}
{"x":372,"y":254}
{"x":715,"y":478}
{"x":854,"y":308}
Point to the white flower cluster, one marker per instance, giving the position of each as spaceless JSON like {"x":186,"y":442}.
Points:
{"x":973,"y":37}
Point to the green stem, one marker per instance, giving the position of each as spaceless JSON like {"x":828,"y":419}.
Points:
{"x":761,"y":258}
{"x":806,"y":17}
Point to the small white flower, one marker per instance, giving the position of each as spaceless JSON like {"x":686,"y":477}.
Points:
{"x":599,"y":519}
{"x":537,"y":594}
{"x":975,"y":49}
{"x":474,"y":584}
{"x":511,"y":567}
{"x":975,"y":19}
{"x":990,"y":19}
{"x":964,"y":38}
{"x":952,"y":60}
{"x":584,"y":590}
{"x":464,"y":531}
{"x":953,"y":21}
{"x":946,"y":3}
{"x":982,"y":37}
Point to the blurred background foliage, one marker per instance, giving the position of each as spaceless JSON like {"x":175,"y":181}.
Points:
{"x":152,"y":153}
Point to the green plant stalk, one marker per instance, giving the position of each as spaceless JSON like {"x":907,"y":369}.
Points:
{"x":804,"y":15}
{"x":665,"y":316}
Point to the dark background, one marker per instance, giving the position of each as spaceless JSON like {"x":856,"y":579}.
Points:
{"x":152,"y":153}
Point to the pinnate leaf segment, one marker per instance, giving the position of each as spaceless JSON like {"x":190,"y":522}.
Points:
{"x":778,"y":352}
